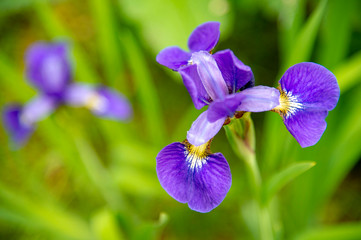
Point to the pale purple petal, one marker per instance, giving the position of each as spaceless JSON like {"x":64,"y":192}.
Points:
{"x":203,"y":186}
{"x":258,"y":99}
{"x":78,"y":94}
{"x":210,"y":75}
{"x":48,"y":67}
{"x":202,"y":130}
{"x":204,"y":37}
{"x":194,"y":86}
{"x":306,"y":127}
{"x":18,"y":132}
{"x":111,"y":104}
{"x":38,"y":109}
{"x":312,"y":84}
{"x":235,"y":73}
{"x":173,"y":57}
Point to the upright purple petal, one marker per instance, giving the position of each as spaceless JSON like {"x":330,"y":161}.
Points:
{"x":194,"y":86}
{"x":18,"y":132}
{"x":112,"y":105}
{"x":309,"y":91}
{"x":173,"y":57}
{"x":198,"y":178}
{"x":234,"y":72}
{"x":202,"y":130}
{"x":48,"y":67}
{"x":210,"y":75}
{"x":204,"y":37}
{"x":312,"y":84}
{"x":226,"y":107}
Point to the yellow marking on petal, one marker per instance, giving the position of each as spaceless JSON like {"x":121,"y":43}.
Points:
{"x":196,"y":156}
{"x":95,"y":101}
{"x":289,"y":104}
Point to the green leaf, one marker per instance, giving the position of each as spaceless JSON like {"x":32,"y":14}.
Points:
{"x":304,"y":42}
{"x":336,"y":32}
{"x":349,"y":231}
{"x":105,"y":226}
{"x":145,"y":90}
{"x":348,"y":73}
{"x":109,"y":50}
{"x":281,"y":179}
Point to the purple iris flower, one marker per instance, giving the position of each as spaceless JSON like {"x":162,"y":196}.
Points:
{"x":308,"y":91}
{"x":188,"y":171}
{"x":48,"y":68}
{"x":214,"y":79}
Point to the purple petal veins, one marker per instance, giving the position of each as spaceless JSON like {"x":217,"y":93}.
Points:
{"x":193,"y":175}
{"x":308,"y":92}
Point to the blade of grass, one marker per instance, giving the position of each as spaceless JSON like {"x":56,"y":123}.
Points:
{"x":145,"y":89}
{"x":109,"y":50}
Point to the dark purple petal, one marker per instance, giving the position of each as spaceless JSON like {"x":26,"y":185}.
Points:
{"x":210,"y":75}
{"x":78,"y":94}
{"x":220,"y":109}
{"x":48,"y":67}
{"x":18,"y":132}
{"x":194,"y":86}
{"x":202,"y":130}
{"x":173,"y":57}
{"x":202,"y":182}
{"x":111,"y":104}
{"x":204,"y":37}
{"x":312,"y":85}
{"x":258,"y":99}
{"x":234,"y":72}
{"x":306,"y":127}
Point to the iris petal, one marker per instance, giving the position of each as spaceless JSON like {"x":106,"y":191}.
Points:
{"x":203,"y":187}
{"x":204,"y":37}
{"x":234,"y":72}
{"x":18,"y":132}
{"x":173,"y":57}
{"x":194,"y":86}
{"x":48,"y":67}
{"x":202,"y":130}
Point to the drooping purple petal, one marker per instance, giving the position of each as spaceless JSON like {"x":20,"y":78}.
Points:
{"x":201,"y":182}
{"x":48,"y":67}
{"x":112,"y":104}
{"x":312,"y":84}
{"x":194,"y":86}
{"x":173,"y":57}
{"x":202,"y":130}
{"x":204,"y":37}
{"x":18,"y":132}
{"x":258,"y":99}
{"x":38,"y":109}
{"x":210,"y":75}
{"x":307,"y":127}
{"x":234,"y":72}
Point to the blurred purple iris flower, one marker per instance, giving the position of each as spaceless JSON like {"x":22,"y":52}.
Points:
{"x":48,"y":69}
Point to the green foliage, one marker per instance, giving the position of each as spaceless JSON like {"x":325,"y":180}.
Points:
{"x":80,"y":177}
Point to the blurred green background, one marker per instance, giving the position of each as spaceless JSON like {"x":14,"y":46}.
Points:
{"x":81,"y":177}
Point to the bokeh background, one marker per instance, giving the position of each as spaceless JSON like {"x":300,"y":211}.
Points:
{"x":81,"y":177}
